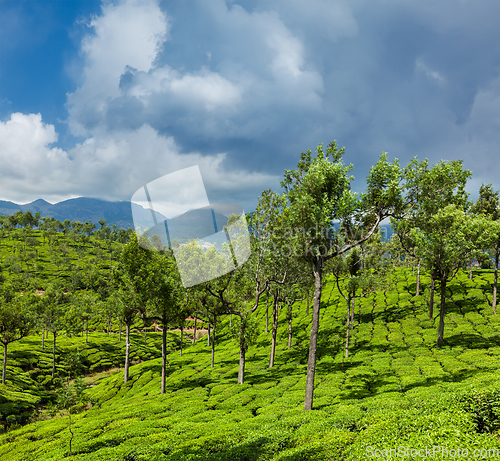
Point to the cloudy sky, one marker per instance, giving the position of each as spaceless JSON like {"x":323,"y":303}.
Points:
{"x":99,"y":98}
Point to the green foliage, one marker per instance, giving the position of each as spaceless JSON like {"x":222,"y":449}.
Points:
{"x":484,"y":408}
{"x":245,"y":329}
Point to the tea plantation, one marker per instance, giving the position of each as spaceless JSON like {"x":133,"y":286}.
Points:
{"x":396,"y":390}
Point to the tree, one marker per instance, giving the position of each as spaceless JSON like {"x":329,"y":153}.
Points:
{"x":165,"y":298}
{"x":215,"y":293}
{"x":362,"y":274}
{"x":488,"y":204}
{"x":91,"y":274}
{"x":131,"y":279}
{"x":88,"y":228}
{"x":450,"y":239}
{"x":72,"y":398}
{"x":110,"y":309}
{"x":272,"y":266}
{"x":15,"y":323}
{"x":86,"y":309}
{"x":245,"y":330}
{"x":318,"y":193}
{"x":427,"y":191}
{"x":52,"y":316}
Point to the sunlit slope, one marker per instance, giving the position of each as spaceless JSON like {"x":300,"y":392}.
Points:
{"x":29,"y":367}
{"x":396,"y":389}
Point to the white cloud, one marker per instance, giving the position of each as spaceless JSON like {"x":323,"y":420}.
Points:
{"x":108,"y":166}
{"x":128,"y":81}
{"x":204,"y":88}
{"x":128,"y":33}
{"x":29,"y":164}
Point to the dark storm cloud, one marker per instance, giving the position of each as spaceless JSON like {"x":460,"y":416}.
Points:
{"x":264,"y":81}
{"x":243,"y":87}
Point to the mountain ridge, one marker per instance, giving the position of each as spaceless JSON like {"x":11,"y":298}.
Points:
{"x":195,"y":223}
{"x":78,"y":209}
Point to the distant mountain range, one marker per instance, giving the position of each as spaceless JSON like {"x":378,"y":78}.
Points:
{"x":82,"y":209}
{"x":192,"y":224}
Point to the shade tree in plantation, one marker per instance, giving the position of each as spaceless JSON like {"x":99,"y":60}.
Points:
{"x":241,"y":301}
{"x":288,"y":296}
{"x":359,"y":274}
{"x":245,"y":330}
{"x":318,"y":194}
{"x":130,"y":279}
{"x":91,"y":274}
{"x":450,"y":239}
{"x":216,"y":292}
{"x":437,"y":224}
{"x":52,"y":316}
{"x":186,"y":309}
{"x":273,"y":269}
{"x":165,"y":300}
{"x":129,"y":305}
{"x":427,"y":190}
{"x":72,"y":398}
{"x":488,"y":204}
{"x":87,"y":306}
{"x":109,"y":310}
{"x":16,"y":322}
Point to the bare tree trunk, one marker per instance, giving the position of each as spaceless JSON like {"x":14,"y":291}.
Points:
{"x":495,"y":282}
{"x":4,"y":367}
{"x":195,"y":325}
{"x":418,"y":278}
{"x":307,"y":309}
{"x":182,"y":337}
{"x":352,"y":310}
{"x":274,"y":332}
{"x":120,"y":332}
{"x":54,"y":354}
{"x":213,"y":346}
{"x":348,"y":327}
{"x":127,"y":352}
{"x":267,"y":311}
{"x":208,"y":338}
{"x":442,"y":312}
{"x":241,"y":369}
{"x":70,"y":431}
{"x":313,"y":341}
{"x":431,"y":301}
{"x":470,"y":269}
{"x":230,"y":319}
{"x":163,"y":358}
{"x":290,"y":328}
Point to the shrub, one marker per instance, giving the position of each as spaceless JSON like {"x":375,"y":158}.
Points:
{"x":484,"y":408}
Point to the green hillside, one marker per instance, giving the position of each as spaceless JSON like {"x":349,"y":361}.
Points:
{"x":395,"y":391}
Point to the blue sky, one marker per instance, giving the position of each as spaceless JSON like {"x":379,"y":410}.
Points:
{"x":99,"y":98}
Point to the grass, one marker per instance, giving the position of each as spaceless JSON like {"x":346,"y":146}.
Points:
{"x":395,"y":389}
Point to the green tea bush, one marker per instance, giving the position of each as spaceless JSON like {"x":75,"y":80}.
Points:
{"x":484,"y":408}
